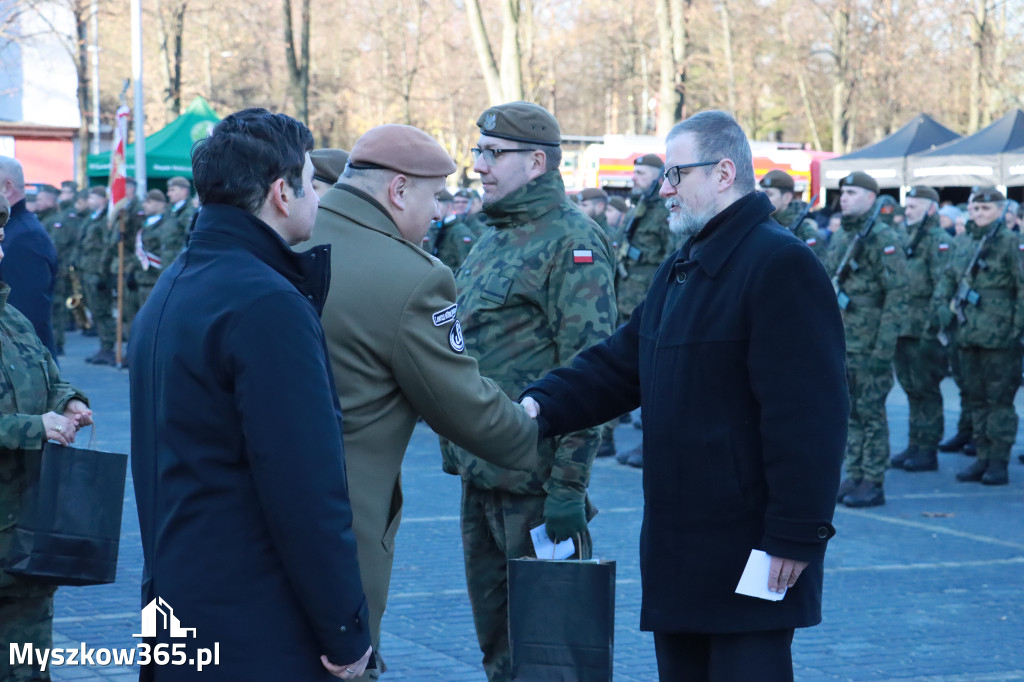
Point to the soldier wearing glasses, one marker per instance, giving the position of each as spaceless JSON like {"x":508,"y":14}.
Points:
{"x":536,"y":289}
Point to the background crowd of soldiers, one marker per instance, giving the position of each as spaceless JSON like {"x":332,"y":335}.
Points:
{"x":86,"y":232}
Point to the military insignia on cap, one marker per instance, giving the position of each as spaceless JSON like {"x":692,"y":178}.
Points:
{"x":443,"y":317}
{"x":490,"y":121}
{"x":455,"y":339}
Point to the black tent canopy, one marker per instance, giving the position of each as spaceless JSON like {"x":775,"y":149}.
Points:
{"x":992,"y":156}
{"x":885,"y":160}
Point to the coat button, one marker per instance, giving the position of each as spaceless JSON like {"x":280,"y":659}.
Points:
{"x":823,"y":532}
{"x":344,"y":629}
{"x":680,"y":276}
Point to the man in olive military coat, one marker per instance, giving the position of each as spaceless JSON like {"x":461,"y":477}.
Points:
{"x":395,"y":341}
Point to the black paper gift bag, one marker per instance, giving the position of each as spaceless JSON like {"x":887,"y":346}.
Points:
{"x":561,"y":617}
{"x":69,"y":525}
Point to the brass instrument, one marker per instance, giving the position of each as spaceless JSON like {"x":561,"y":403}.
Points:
{"x":74,"y":301}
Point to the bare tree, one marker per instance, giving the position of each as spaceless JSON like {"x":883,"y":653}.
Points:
{"x":298,"y":64}
{"x":170,"y":34}
{"x":671,"y":17}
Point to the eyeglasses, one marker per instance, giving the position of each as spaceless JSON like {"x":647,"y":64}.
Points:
{"x":672,"y":172}
{"x":491,"y":155}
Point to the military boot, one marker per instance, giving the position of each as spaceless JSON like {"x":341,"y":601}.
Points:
{"x":846,"y":487}
{"x":973,"y":473}
{"x":970,"y":449}
{"x":996,"y":473}
{"x":607,"y":448}
{"x":636,"y":457}
{"x":623,"y":457}
{"x":955,"y":443}
{"x":867,"y":494}
{"x":922,"y":460}
{"x":899,"y":460}
{"x":104,"y":357}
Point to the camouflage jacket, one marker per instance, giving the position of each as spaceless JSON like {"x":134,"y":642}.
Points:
{"x":536,"y":289}
{"x":148,"y":241}
{"x":174,"y":233}
{"x":806,"y":231}
{"x":876,"y":284}
{"x":651,"y":241}
{"x":65,"y":231}
{"x":134,"y":217}
{"x":30,"y":386}
{"x":996,"y":317}
{"x":93,"y":253}
{"x":928,"y":249}
{"x":453,"y":242}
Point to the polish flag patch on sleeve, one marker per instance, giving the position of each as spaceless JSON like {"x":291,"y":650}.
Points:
{"x":811,"y":242}
{"x":943,"y":247}
{"x":582,"y":256}
{"x":889,"y":250}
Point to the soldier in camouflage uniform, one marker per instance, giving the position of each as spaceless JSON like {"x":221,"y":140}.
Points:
{"x":615,"y":217}
{"x":134,"y":216}
{"x":989,"y":332}
{"x":35,"y":405}
{"x":147,"y":244}
{"x":873,"y":296}
{"x":779,"y":187}
{"x":62,"y":226}
{"x":536,"y":289}
{"x":93,"y":265}
{"x":921,"y":361}
{"x":647,"y":240}
{"x":178,"y":221}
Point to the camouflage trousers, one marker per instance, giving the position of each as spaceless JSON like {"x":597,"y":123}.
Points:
{"x":59,"y":312}
{"x":629,"y":292}
{"x":965,"y":423}
{"x":495,"y":528}
{"x":867,"y":445}
{"x":25,"y":620}
{"x":991,"y":377}
{"x":920,"y":366}
{"x":100,"y":301}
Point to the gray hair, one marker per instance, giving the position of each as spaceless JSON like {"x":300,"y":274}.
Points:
{"x":718,"y":136}
{"x":11,"y":169}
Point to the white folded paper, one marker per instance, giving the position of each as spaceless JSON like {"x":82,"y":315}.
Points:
{"x":544,"y":548}
{"x":754,"y":581}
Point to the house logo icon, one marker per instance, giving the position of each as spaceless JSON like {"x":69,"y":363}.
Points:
{"x":159,"y":610}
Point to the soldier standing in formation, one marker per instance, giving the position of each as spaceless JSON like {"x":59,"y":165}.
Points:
{"x":984,"y":285}
{"x":780,"y":188}
{"x":147,"y":246}
{"x":872,"y":291}
{"x":328,"y":165}
{"x":921,"y":361}
{"x":179,"y":220}
{"x":536,"y":289}
{"x":65,"y":231}
{"x":594,"y":203}
{"x":93,"y":263}
{"x":130,"y":207}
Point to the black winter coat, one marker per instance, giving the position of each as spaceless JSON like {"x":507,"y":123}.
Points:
{"x":30,"y":268}
{"x":237,"y":458}
{"x":737,"y":358}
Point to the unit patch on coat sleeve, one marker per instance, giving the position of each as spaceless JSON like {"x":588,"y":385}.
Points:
{"x":443,"y":317}
{"x":582,"y":256}
{"x":455,"y":339}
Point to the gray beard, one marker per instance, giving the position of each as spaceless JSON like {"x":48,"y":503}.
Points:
{"x":686,"y":223}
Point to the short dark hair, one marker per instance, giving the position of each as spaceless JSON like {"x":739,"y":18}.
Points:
{"x":718,"y":136}
{"x":245,"y":153}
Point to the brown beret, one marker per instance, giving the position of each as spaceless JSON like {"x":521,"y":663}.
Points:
{"x":69,"y":184}
{"x":179,"y":181}
{"x":652,"y":160}
{"x":619,"y":204}
{"x":445,"y":196}
{"x":49,"y":189}
{"x":777,"y":179}
{"x":923,"y":192}
{"x":521,"y":122}
{"x":98,"y":191}
{"x":401,"y":148}
{"x":5,"y":210}
{"x":156,"y":195}
{"x":328,"y":164}
{"x":986,"y":195}
{"x":594,"y":193}
{"x":860,"y":179}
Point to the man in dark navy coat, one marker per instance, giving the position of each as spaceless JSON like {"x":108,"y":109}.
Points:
{"x":237,"y":453}
{"x":737,"y":359}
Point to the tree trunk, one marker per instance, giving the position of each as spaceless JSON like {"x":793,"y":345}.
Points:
{"x":81,"y":58}
{"x":484,"y":53}
{"x":298,"y":64}
{"x":511,"y":55}
{"x":730,"y":67}
{"x":841,"y":86}
{"x":801,"y":81}
{"x":171,"y":56}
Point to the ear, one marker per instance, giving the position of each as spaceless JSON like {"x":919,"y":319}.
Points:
{"x":398,"y":191}
{"x":725,"y":174}
{"x":278,"y":198}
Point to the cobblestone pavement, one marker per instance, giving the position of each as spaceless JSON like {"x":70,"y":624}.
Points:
{"x":928,"y":587}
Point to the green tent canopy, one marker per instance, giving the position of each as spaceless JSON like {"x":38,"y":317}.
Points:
{"x":169,"y":150}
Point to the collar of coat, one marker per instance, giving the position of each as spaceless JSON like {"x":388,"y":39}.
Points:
{"x":529,"y":202}
{"x":355,"y":205}
{"x":712,"y":246}
{"x":308,"y":271}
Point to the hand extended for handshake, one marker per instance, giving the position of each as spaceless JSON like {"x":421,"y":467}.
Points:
{"x":563,"y":514}
{"x":63,"y":427}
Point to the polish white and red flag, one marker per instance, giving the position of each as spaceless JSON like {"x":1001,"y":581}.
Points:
{"x":118,"y":166}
